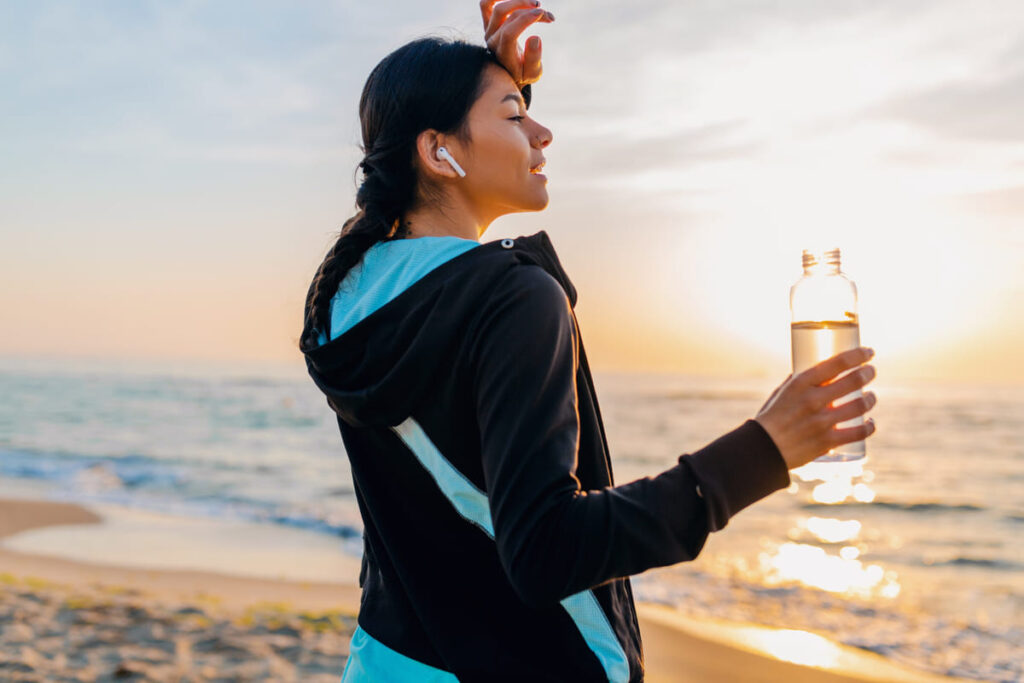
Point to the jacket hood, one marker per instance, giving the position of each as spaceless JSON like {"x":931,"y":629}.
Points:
{"x":375,"y":372}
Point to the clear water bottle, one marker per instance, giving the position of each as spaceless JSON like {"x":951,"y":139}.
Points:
{"x":824,"y":307}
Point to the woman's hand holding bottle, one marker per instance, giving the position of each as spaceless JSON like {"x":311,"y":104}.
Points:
{"x":800,"y":418}
{"x":504,"y":22}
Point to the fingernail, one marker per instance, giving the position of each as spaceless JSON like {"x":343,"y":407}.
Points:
{"x":535,"y":3}
{"x":551,"y":16}
{"x":871,"y":352}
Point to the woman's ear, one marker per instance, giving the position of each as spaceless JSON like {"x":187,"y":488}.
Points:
{"x":427,"y":144}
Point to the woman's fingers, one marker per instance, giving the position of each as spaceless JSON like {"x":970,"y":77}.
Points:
{"x":532,"y":68}
{"x":503,"y":7}
{"x":838,"y":437}
{"x":827,"y":369}
{"x":852,"y":409}
{"x":499,"y":11}
{"x":486,"y":7}
{"x":846,"y":384}
{"x":503,"y":42}
{"x":510,"y":29}
{"x":504,"y":22}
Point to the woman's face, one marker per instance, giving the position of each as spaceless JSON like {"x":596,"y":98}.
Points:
{"x":506,"y":144}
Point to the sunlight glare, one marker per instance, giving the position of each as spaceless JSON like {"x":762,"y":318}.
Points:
{"x":832,"y":530}
{"x":812,"y":566}
{"x":798,"y":647}
{"x":830,"y":471}
{"x":862,"y":493}
{"x":849,"y":552}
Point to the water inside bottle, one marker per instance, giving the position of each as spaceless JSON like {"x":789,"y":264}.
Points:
{"x":814,"y":342}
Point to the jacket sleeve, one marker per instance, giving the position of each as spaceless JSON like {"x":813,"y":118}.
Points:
{"x":554,"y":539}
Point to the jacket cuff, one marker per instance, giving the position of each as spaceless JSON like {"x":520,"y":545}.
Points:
{"x":736,"y":470}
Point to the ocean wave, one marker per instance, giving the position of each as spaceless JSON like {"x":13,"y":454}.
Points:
{"x":710,"y":396}
{"x":936,"y":559}
{"x":102,"y":484}
{"x":987,"y":563}
{"x":133,"y":470}
{"x":924,"y":507}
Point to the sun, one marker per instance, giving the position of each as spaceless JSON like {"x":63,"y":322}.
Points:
{"x":919,"y":276}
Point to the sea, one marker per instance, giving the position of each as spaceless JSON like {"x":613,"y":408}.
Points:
{"x":915,"y":553}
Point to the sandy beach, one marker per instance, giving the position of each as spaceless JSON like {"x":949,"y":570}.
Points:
{"x":71,"y":620}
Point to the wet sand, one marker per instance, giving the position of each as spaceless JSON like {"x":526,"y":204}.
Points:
{"x":69,"y":620}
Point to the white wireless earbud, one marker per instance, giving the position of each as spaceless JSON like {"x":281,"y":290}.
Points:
{"x":442,"y":153}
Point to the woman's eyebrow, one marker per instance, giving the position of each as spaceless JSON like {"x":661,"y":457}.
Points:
{"x":513,"y":96}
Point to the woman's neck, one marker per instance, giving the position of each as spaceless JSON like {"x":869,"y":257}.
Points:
{"x":457,"y":221}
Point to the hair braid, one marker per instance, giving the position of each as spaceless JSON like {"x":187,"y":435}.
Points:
{"x":381,"y":204}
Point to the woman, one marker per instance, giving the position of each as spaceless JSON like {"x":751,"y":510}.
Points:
{"x":497,"y":547}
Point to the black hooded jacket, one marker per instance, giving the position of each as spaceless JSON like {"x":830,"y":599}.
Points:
{"x":497,"y":545}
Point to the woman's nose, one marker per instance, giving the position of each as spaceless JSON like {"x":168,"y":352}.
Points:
{"x":544,"y":136}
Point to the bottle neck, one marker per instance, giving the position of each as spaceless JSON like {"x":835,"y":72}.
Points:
{"x":821,"y":263}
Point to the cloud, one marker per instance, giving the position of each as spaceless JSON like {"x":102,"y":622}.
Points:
{"x":200,"y":81}
{"x":972,"y":110}
{"x":596,"y":51}
{"x":986,"y":106}
{"x":1007,"y":202}
{"x":1000,"y":212}
{"x":599,"y":159}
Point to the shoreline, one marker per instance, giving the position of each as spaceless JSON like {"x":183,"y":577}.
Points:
{"x":677,"y":648}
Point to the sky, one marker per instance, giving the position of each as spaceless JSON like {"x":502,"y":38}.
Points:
{"x":172,"y":173}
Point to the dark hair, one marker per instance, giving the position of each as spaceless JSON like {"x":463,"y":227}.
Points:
{"x":428,"y":83}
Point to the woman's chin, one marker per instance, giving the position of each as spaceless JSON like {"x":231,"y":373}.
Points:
{"x":535,"y":201}
{"x":542,"y":200}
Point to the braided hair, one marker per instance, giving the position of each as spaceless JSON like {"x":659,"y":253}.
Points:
{"x":429,"y":83}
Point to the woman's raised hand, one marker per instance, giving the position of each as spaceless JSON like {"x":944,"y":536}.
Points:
{"x":504,"y":22}
{"x":799,"y":415}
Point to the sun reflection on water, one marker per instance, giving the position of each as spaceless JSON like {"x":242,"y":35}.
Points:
{"x":831,"y":471}
{"x":837,"y":481}
{"x":813,"y":566}
{"x":841,"y":571}
{"x":832,"y":530}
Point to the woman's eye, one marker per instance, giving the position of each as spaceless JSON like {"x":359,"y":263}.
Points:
{"x":518,"y":118}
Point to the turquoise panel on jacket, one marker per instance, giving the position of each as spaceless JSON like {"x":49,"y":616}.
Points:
{"x":371,"y":661}
{"x":474,"y":506}
{"x":386,"y":270}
